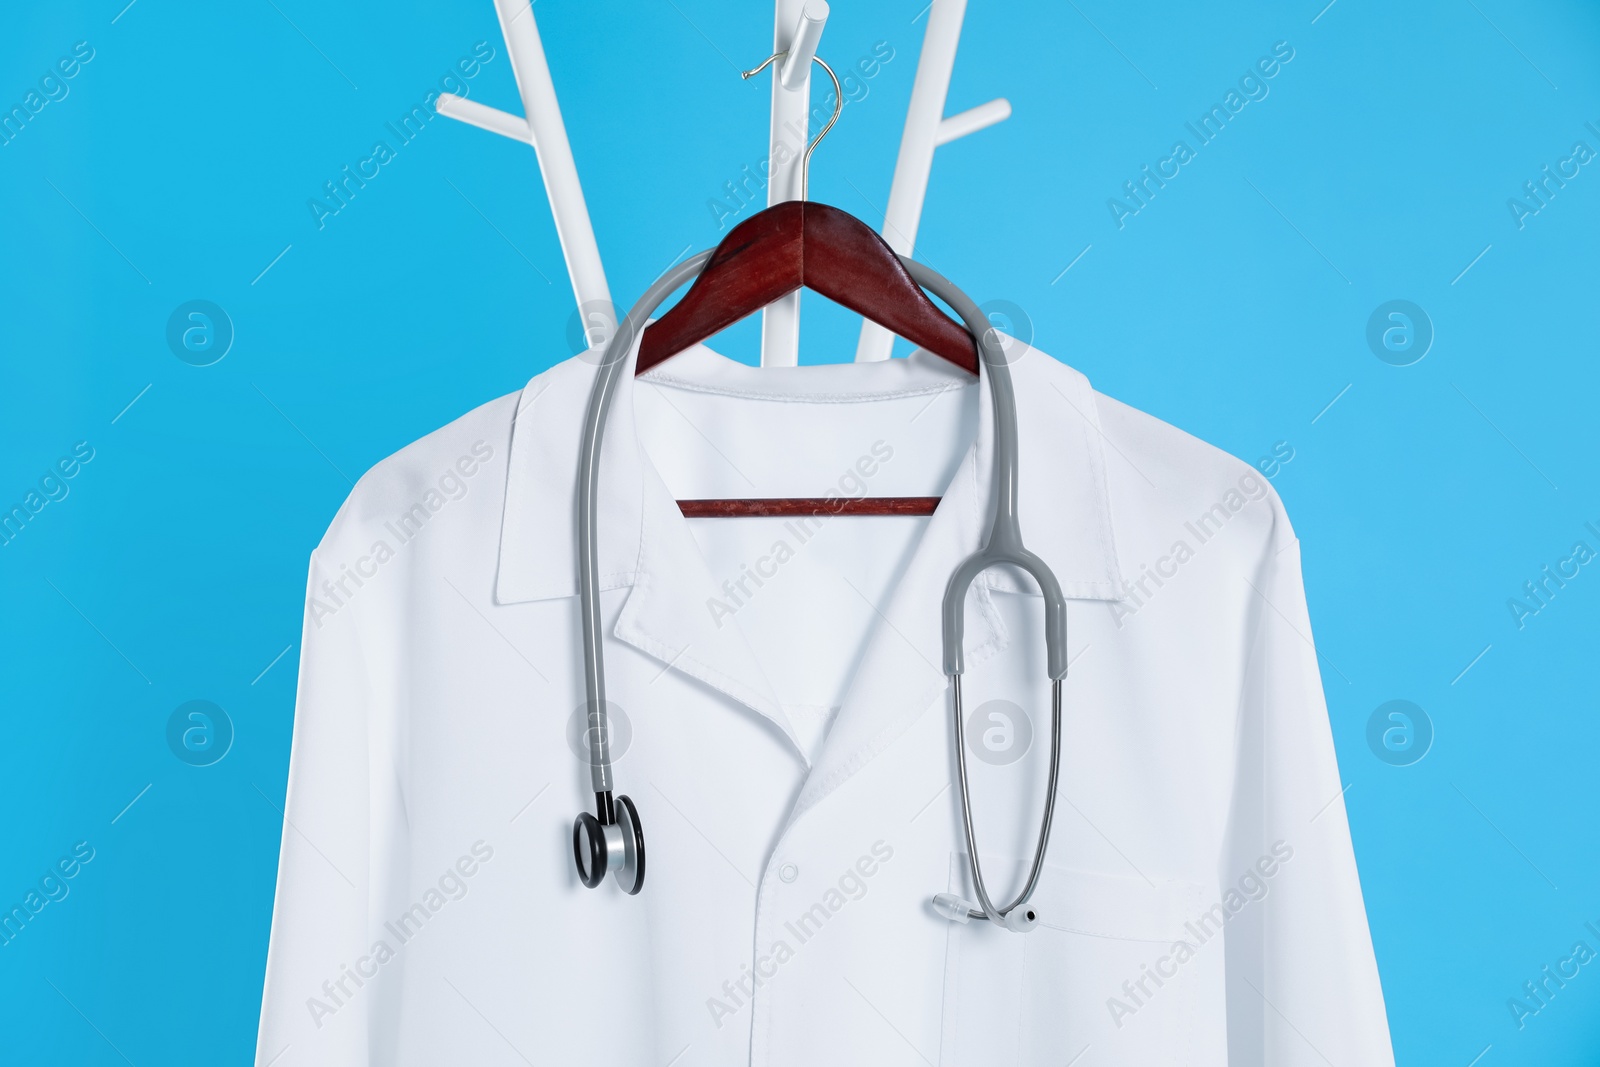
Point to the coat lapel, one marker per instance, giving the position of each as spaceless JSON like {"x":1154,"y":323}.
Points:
{"x":646,"y":543}
{"x":667,"y":616}
{"x":644,"y":539}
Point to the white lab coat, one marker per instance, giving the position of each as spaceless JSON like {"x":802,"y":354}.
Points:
{"x":788,"y":744}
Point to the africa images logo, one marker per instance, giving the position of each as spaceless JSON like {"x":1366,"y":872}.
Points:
{"x":999,"y":732}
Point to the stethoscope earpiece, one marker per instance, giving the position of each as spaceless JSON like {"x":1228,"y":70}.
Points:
{"x":954,"y":908}
{"x":1019,"y":920}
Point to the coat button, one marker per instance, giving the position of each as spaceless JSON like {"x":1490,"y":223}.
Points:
{"x":788,"y":872}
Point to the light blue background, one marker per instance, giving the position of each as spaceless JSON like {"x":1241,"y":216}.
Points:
{"x":1234,"y":305}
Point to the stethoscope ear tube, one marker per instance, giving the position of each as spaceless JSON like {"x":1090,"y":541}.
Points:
{"x":1004,"y":542}
{"x":1002,"y":546}
{"x":1018,"y":916}
{"x":955,"y":606}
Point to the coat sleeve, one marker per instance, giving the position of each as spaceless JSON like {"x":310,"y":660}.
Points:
{"x":314,"y":1000}
{"x":1302,"y":983}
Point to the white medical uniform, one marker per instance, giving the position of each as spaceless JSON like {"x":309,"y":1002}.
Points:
{"x":784,"y":729}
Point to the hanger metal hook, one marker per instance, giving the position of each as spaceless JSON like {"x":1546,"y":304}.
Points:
{"x":838,"y":106}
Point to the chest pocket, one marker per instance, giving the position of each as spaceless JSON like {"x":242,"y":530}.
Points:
{"x":1110,"y":976}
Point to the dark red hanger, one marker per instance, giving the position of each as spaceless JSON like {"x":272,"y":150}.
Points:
{"x":802,"y":244}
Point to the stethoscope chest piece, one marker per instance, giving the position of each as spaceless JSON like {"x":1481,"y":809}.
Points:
{"x":615,"y":847}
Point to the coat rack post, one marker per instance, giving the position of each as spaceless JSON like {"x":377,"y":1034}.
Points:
{"x":544,"y":129}
{"x":556,"y":165}
{"x":926,"y":128}
{"x":797,"y":27}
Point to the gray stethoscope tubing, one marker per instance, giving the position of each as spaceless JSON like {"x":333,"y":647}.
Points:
{"x":611,"y":840}
{"x":1002,"y":546}
{"x":612,"y":363}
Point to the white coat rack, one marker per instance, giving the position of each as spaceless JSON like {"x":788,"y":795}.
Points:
{"x":797,"y":29}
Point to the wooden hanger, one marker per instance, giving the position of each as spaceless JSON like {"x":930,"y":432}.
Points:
{"x":801,"y":244}
{"x":793,"y":245}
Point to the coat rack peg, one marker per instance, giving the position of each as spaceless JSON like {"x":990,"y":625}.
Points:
{"x":803,"y":45}
{"x":971,"y":121}
{"x":484,"y":117}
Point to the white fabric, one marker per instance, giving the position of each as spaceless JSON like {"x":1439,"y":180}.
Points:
{"x":790,"y":751}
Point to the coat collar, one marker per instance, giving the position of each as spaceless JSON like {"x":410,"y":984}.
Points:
{"x":646,"y":543}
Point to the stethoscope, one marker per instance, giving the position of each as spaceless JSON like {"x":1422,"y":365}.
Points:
{"x":612,"y":839}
